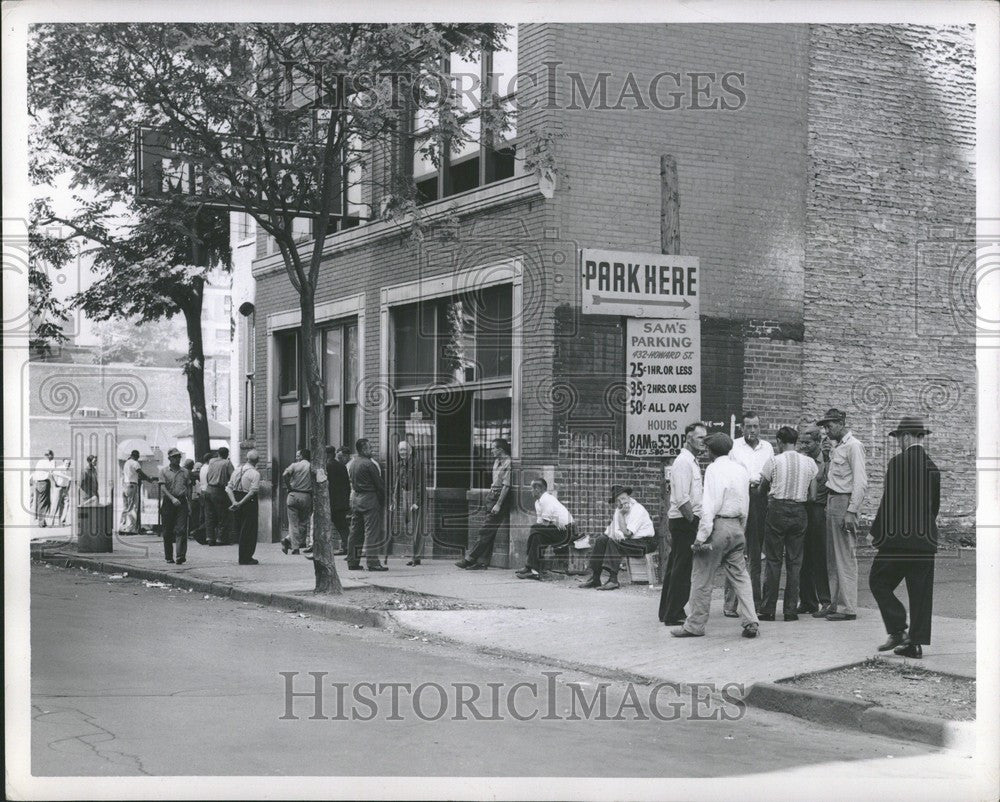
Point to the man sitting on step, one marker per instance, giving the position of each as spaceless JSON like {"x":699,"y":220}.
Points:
{"x":553,"y":527}
{"x":629,"y":534}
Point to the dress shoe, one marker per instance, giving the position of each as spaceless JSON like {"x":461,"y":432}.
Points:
{"x":286,"y":545}
{"x":765,"y":616}
{"x":679,"y":622}
{"x":308,"y":550}
{"x":355,"y":568}
{"x":340,"y":553}
{"x":894,"y":640}
{"x":524,"y":573}
{"x":804,"y":610}
{"x":909,"y":650}
{"x":590,"y":583}
{"x":181,"y":560}
{"x":169,"y":560}
{"x":295,"y":551}
{"x":249,"y":562}
{"x":478,"y":567}
{"x":683,"y":633}
{"x":750,"y":631}
{"x":730,"y":614}
{"x":841,"y":617}
{"x":378,"y":567}
{"x":413,"y":562}
{"x":791,"y":617}
{"x":464,"y":563}
{"x":611,"y":584}
{"x":822,"y":612}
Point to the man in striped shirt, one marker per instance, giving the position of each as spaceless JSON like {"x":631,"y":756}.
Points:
{"x":788,"y":476}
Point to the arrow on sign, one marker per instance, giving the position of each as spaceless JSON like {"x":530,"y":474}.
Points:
{"x":684,"y":304}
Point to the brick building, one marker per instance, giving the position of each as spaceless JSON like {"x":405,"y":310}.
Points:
{"x":826,"y":186}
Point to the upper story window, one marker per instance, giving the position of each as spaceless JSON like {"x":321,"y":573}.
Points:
{"x":483,"y":77}
{"x":242,"y":227}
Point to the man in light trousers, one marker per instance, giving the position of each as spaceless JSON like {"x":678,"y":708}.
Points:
{"x":847,"y":483}
{"x":725,"y":504}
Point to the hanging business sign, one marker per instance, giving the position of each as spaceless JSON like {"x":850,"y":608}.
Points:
{"x":167,"y":168}
{"x":663,"y":375}
{"x":639,"y":284}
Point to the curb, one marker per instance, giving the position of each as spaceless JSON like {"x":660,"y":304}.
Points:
{"x":285,"y":601}
{"x":839,"y":711}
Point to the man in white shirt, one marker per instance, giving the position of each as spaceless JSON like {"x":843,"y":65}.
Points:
{"x":132,"y":474}
{"x":725,"y":504}
{"x":41,"y":478}
{"x":752,"y":453}
{"x":683,"y":516}
{"x":788,"y":479}
{"x":552,"y":527}
{"x":630,"y":533}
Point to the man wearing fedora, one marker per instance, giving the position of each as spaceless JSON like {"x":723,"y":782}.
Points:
{"x":175,"y":483}
{"x":630,"y":533}
{"x":846,"y":483}
{"x":905,"y":534}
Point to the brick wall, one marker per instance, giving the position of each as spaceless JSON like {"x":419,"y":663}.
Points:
{"x":826,"y":213}
{"x":742,"y":176}
{"x":890,"y":221}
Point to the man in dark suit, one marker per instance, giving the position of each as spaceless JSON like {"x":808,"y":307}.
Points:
{"x":408,"y":503}
{"x":905,"y":534}
{"x":339,"y":487}
{"x":367,"y":510}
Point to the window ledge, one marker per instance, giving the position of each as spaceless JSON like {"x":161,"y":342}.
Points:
{"x":475,"y":200}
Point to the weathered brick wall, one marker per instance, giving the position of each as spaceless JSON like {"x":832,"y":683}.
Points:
{"x":742,"y":175}
{"x":889,"y":324}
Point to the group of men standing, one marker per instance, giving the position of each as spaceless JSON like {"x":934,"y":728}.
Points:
{"x":358,"y":500}
{"x":800,"y":507}
{"x":46,"y":476}
{"x":211,"y":502}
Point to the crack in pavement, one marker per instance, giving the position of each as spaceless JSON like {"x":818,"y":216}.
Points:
{"x":91,"y":740}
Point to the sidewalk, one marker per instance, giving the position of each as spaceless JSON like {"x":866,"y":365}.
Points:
{"x":611,"y":633}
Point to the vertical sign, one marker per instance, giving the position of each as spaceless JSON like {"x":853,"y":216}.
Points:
{"x":663,"y":374}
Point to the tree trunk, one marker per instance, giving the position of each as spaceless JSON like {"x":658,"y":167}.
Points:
{"x":327,"y":580}
{"x":195,"y":372}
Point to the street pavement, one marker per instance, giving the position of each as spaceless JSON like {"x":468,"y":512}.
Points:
{"x":612,"y":633}
{"x":133,"y":679}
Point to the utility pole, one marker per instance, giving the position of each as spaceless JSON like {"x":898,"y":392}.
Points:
{"x":670,"y":244}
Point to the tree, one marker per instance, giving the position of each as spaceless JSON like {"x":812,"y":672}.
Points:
{"x":238,"y":105}
{"x":148,"y":262}
{"x":45,"y":312}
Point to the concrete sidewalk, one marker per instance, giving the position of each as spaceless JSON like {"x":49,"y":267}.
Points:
{"x":611,"y":633}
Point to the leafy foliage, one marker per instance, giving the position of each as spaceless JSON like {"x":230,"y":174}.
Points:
{"x":236,"y":100}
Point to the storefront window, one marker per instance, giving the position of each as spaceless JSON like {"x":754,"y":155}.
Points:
{"x":491,"y":420}
{"x":452,"y":365}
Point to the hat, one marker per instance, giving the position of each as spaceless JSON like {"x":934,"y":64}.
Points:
{"x":910,"y":424}
{"x":719,"y":443}
{"x":173,"y":453}
{"x":832,"y":414}
{"x":617,"y":490}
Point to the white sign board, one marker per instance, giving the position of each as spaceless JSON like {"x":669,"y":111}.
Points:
{"x":663,"y":374}
{"x":639,"y":284}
